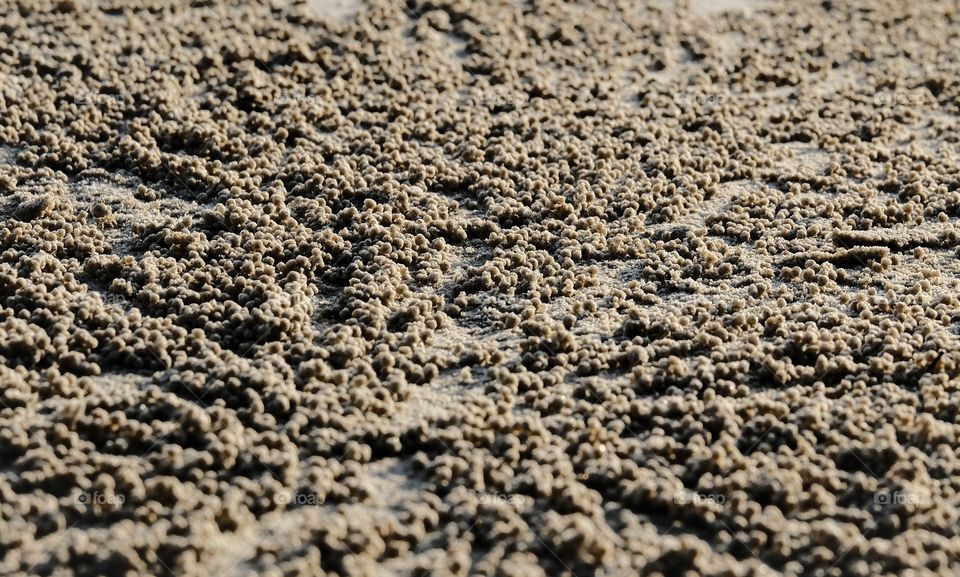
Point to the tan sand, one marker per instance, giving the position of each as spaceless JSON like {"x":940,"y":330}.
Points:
{"x":507,"y":288}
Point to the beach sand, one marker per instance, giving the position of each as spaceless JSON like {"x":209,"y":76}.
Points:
{"x":500,"y":288}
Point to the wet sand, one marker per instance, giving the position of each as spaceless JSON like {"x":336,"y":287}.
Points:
{"x":479,"y":288}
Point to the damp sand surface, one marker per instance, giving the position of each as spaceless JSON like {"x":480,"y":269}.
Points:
{"x":479,"y":288}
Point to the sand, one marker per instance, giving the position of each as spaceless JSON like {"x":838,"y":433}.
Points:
{"x":508,"y":288}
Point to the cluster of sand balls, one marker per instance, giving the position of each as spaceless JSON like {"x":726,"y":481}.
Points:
{"x":498,"y":288}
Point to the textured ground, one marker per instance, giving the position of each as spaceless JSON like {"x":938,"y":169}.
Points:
{"x":509,"y":288}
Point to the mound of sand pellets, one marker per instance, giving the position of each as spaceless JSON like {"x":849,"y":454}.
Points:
{"x":511,"y":288}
